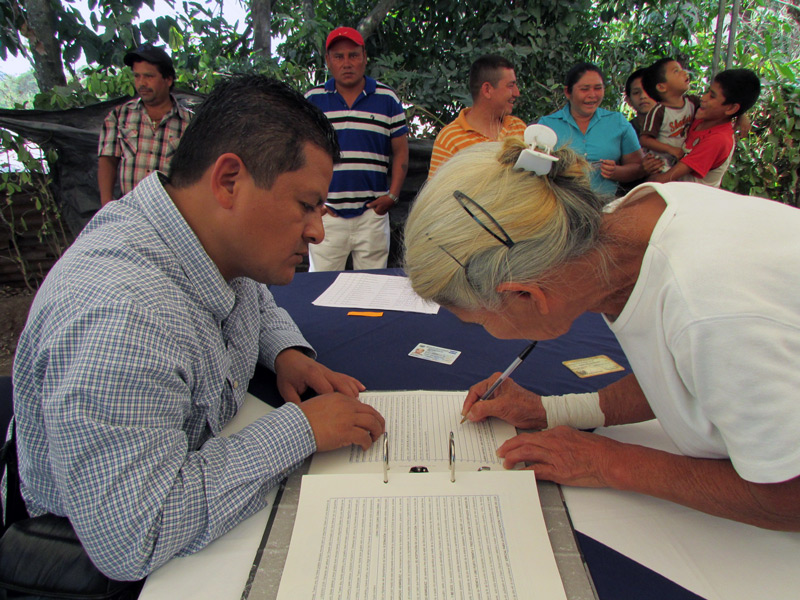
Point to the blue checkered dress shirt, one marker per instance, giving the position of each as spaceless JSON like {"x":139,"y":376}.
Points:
{"x":135,"y":355}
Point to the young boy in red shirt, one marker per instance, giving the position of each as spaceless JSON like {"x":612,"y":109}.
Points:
{"x":710,"y":141}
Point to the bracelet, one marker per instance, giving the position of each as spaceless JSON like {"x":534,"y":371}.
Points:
{"x":394,"y":198}
{"x":581,"y":411}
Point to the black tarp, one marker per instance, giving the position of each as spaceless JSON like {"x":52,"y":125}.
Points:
{"x":74,"y":134}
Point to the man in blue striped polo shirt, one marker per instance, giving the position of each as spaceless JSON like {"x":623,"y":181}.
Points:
{"x":371,"y":127}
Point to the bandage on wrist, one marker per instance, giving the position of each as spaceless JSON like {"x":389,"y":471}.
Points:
{"x":581,"y":411}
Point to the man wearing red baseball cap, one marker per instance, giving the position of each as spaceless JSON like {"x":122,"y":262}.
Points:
{"x":371,"y":127}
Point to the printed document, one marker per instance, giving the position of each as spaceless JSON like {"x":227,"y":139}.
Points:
{"x":418,"y":424}
{"x":420,"y":536}
{"x":368,"y":290}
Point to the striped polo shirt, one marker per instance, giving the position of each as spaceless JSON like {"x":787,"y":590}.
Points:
{"x":365,"y":131}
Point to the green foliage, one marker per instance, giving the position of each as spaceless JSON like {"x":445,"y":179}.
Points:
{"x":28,"y":211}
{"x":15,"y":92}
{"x":423,"y":48}
{"x":767,"y":161}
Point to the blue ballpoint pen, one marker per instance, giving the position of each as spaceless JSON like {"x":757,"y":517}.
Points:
{"x":505,"y":374}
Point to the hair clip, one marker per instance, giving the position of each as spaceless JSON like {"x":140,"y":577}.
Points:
{"x":531,"y":159}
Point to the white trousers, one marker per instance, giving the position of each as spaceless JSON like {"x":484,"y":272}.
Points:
{"x":366,"y":236}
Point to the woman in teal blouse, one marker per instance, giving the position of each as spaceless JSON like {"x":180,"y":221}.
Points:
{"x":603,"y":137}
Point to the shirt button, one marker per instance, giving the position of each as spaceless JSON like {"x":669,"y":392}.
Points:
{"x":235,"y":384}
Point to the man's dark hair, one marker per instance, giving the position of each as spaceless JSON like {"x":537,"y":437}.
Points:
{"x":264,"y":122}
{"x":576,"y":72}
{"x":740,"y":86}
{"x":655,"y":74}
{"x":154,"y":55}
{"x":486,"y":68}
{"x":166,"y":69}
{"x":637,"y":74}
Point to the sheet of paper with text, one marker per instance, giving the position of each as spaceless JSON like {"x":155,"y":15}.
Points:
{"x":367,"y":290}
{"x":419,"y":425}
{"x":420,"y":536}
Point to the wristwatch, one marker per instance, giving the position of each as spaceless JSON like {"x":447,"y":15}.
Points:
{"x":394,"y":198}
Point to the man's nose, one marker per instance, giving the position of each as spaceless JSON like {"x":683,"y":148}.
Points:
{"x":315,"y":230}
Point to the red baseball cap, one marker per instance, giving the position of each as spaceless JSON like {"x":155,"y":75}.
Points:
{"x":344,"y":33}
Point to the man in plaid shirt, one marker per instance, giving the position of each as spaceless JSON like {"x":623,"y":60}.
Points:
{"x":141,"y":136}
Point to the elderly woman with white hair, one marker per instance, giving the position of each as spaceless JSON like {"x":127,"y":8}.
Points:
{"x":700,"y":287}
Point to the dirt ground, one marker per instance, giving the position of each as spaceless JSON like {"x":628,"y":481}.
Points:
{"x":14,"y":306}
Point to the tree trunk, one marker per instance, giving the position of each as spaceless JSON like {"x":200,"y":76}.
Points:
{"x":308,"y":10}
{"x":48,"y":67}
{"x":370,"y":23}
{"x":261,"y":13}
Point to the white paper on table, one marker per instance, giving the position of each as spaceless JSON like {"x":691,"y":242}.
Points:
{"x":220,"y":570}
{"x":419,"y":425}
{"x":715,"y":558}
{"x":420,"y":537}
{"x":368,"y":290}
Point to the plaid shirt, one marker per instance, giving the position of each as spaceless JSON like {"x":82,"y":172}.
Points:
{"x":135,"y":355}
{"x":142,"y":147}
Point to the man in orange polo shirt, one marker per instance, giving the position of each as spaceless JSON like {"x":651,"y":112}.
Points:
{"x":493,"y":86}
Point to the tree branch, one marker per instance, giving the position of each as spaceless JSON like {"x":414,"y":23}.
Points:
{"x":370,"y":23}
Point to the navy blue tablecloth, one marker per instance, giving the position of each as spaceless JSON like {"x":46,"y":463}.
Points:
{"x":375,"y":349}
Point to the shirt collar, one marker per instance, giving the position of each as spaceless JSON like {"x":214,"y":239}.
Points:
{"x":176,"y":109}
{"x":370,"y":85}
{"x":206,"y":281}
{"x":566,"y":115}
{"x":461,"y":119}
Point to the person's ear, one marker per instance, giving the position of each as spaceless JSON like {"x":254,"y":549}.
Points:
{"x":226,"y":175}
{"x":661,"y":87}
{"x":731,"y":109}
{"x":527,"y":292}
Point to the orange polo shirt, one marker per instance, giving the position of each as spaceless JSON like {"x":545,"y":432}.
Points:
{"x":460,"y":134}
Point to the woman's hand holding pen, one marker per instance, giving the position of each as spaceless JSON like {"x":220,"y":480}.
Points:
{"x":510,"y":402}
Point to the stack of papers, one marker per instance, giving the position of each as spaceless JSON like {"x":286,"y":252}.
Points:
{"x":366,"y":290}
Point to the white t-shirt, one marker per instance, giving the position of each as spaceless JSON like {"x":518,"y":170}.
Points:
{"x":712,"y":328}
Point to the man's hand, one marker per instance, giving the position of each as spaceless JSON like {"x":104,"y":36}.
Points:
{"x":297,"y":372}
{"x":381,"y":204}
{"x":510,"y":402}
{"x":563,"y":455}
{"x":338,"y":420}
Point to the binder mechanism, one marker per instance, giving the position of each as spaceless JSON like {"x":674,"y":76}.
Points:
{"x":422,"y":469}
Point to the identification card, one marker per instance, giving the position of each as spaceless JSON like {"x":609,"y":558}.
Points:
{"x":593,"y":365}
{"x":435,"y":354}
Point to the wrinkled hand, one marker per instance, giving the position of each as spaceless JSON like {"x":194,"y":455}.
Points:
{"x":564,"y":455}
{"x":510,"y":402}
{"x":338,"y":420}
{"x":297,"y":372}
{"x":381,"y":204}
{"x":652,"y":163}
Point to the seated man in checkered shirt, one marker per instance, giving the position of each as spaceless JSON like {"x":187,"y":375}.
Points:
{"x":141,"y":136}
